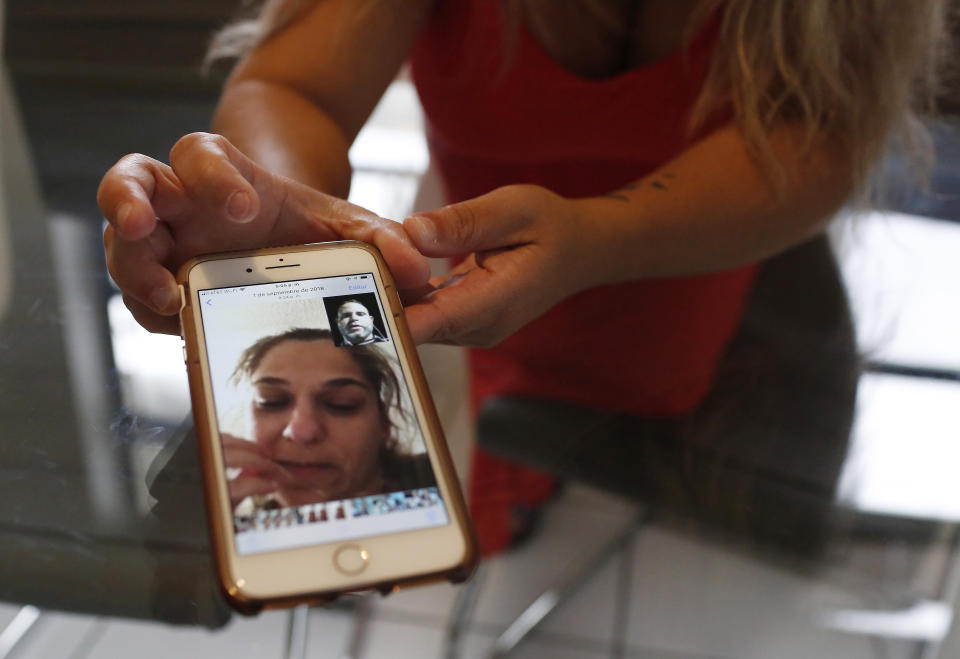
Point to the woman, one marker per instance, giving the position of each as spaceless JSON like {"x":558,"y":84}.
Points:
{"x":322,"y":425}
{"x":634,"y":157}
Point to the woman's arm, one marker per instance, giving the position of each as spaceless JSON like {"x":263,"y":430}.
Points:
{"x":297,"y":101}
{"x":713,"y":208}
{"x":709,"y":209}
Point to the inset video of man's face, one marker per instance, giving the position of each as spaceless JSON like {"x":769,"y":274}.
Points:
{"x":355,"y":319}
{"x":355,"y":323}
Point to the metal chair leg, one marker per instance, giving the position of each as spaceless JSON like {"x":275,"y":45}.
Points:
{"x":547,"y":603}
{"x":361,"y":623}
{"x":461,"y":614}
{"x":298,"y":624}
{"x":17,"y":629}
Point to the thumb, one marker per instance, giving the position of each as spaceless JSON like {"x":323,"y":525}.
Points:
{"x":491,"y":221}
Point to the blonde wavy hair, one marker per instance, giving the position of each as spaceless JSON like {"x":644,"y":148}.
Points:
{"x":258,"y":21}
{"x":861,"y":72}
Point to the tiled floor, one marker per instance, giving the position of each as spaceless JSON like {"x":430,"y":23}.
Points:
{"x":686,"y":599}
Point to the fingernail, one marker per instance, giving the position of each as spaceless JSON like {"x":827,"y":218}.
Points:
{"x":162,"y":298}
{"x":239,"y":206}
{"x":422,"y":228}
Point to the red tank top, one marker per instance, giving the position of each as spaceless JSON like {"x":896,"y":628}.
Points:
{"x":499,"y":113}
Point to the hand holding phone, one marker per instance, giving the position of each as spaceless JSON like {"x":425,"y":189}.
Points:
{"x":324,"y":463}
{"x":212,"y":198}
{"x":529,"y":249}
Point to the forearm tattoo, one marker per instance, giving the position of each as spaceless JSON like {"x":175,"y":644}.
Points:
{"x":658,"y":182}
{"x":619,"y":194}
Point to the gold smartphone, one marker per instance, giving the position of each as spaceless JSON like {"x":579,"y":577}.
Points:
{"x":325,"y":467}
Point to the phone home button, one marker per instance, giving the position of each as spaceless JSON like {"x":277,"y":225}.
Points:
{"x":351,"y":559}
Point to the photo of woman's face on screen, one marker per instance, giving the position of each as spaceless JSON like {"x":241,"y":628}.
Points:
{"x":310,"y":425}
{"x":324,"y":423}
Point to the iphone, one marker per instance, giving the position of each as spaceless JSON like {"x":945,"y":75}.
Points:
{"x":325,"y":467}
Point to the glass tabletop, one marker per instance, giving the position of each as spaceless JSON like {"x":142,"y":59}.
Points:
{"x":102,"y":509}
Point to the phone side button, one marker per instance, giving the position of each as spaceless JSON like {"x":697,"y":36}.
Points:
{"x":351,"y":559}
{"x":395,"y":302}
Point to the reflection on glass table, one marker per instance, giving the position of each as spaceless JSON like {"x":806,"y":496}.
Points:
{"x":782,"y":474}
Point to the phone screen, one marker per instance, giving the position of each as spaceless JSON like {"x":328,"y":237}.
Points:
{"x":320,"y":439}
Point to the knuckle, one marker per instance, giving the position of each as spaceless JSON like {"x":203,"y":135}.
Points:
{"x":111,"y":183}
{"x":355,"y":221}
{"x":463,"y":223}
{"x":189,"y":143}
{"x":216,"y":143}
{"x":518,"y":191}
{"x":357,"y":213}
{"x":207,"y":158}
{"x":344,"y":217}
{"x":514,"y":189}
{"x":132,"y":160}
{"x":529,"y":200}
{"x":387,"y":229}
